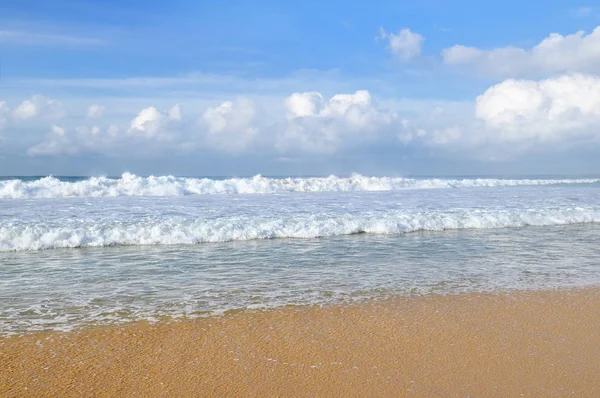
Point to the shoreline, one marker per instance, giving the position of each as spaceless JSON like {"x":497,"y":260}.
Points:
{"x":394,"y":299}
{"x":524,"y":342}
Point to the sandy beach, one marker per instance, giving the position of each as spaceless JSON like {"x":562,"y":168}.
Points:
{"x":543,"y":343}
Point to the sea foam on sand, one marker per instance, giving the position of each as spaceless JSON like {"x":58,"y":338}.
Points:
{"x":544,"y":343}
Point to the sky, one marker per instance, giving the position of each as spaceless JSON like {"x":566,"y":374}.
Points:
{"x":240,"y":88}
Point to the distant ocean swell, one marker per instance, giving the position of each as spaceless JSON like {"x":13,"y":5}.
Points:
{"x":132,"y":185}
{"x":82,"y":233}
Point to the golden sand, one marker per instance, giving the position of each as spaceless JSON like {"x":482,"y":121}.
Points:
{"x":518,"y":344}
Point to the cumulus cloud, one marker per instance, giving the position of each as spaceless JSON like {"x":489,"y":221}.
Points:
{"x":548,"y":110}
{"x":448,"y":125}
{"x":514,"y":117}
{"x":39,"y":106}
{"x":26,"y":110}
{"x":149,"y":132}
{"x":508,"y":119}
{"x":147,"y":122}
{"x":95,"y":111}
{"x":576,"y":52}
{"x":175,"y":112}
{"x":316,"y":125}
{"x":56,"y":143}
{"x":87,"y":131}
{"x":409,"y":132}
{"x":151,"y":122}
{"x":406,"y":45}
{"x":230,"y":125}
{"x":60,"y":131}
{"x":73,"y":141}
{"x":303,"y":104}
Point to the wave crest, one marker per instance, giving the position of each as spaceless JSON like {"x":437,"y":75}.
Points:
{"x":132,"y":185}
{"x":181,"y":232}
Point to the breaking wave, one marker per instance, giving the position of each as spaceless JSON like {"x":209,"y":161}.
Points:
{"x":181,"y":232}
{"x":132,"y":185}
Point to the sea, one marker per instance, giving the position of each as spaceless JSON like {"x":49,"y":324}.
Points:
{"x":94,"y":251}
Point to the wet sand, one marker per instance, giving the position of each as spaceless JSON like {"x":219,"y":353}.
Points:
{"x":528,"y":343}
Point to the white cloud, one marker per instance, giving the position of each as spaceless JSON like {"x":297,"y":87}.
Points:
{"x":95,"y":111}
{"x":39,"y":106}
{"x":175,"y":112}
{"x":549,"y":110}
{"x":514,"y":117}
{"x":445,"y":136}
{"x":355,"y":108}
{"x":508,"y":119}
{"x":409,"y":132}
{"x":56,"y":143}
{"x":406,"y":45}
{"x":26,"y":110}
{"x":230,"y":125}
{"x":75,"y":141}
{"x":58,"y":130}
{"x":576,"y":52}
{"x":303,"y":104}
{"x":147,"y":123}
{"x":87,"y":131}
{"x":153,"y":123}
{"x":316,"y":125}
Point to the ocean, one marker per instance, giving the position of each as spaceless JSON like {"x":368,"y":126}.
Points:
{"x":78,"y":251}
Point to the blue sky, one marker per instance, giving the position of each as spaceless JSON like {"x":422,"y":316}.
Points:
{"x":388,"y":87}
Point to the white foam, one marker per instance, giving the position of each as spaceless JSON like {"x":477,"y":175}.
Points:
{"x":132,"y":185}
{"x":17,"y":237}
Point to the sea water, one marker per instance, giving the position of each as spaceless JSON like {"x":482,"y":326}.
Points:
{"x":95,"y":251}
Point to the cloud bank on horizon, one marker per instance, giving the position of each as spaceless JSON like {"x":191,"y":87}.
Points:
{"x":489,"y":104}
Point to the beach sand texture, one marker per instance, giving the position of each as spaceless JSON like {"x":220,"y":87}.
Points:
{"x":543,"y":343}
